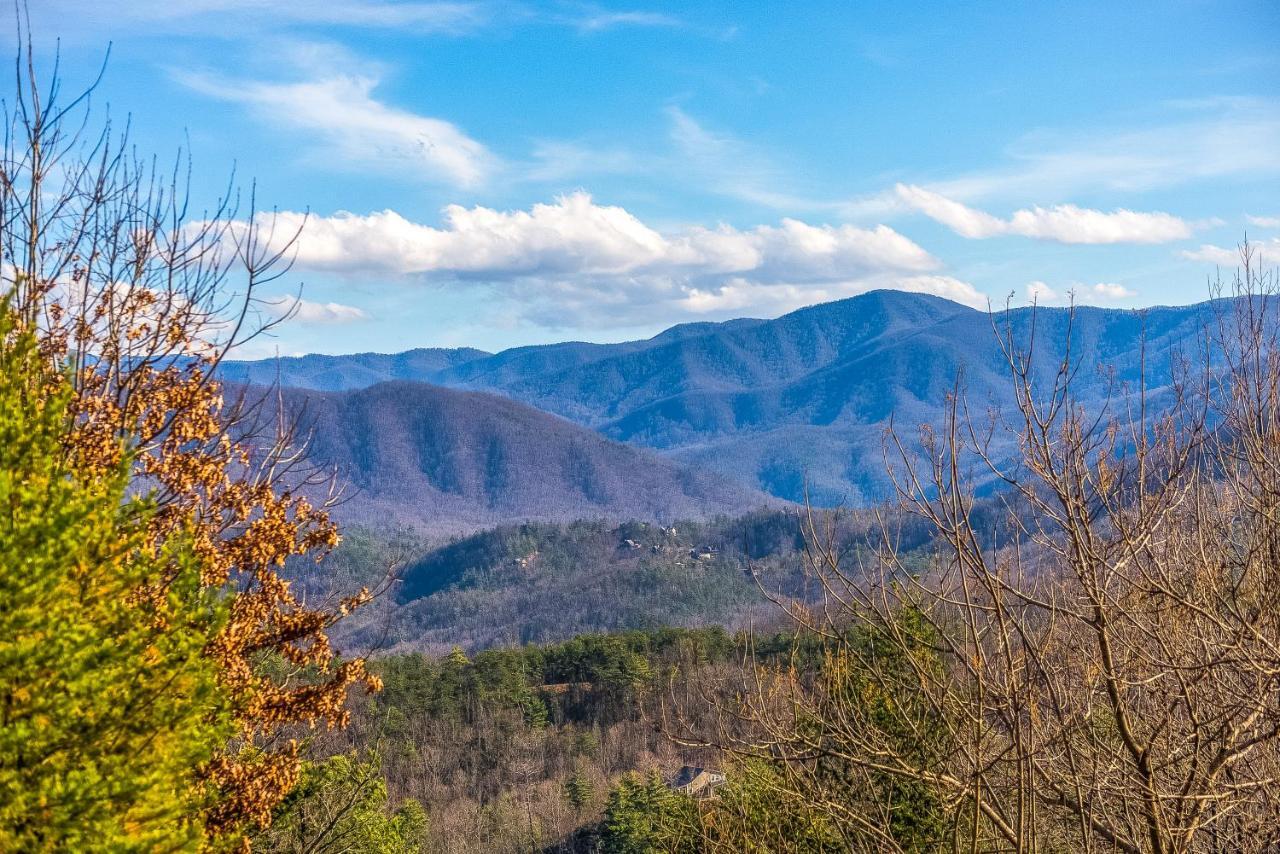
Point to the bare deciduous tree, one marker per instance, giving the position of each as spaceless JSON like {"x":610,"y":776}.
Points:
{"x":1098,"y":672}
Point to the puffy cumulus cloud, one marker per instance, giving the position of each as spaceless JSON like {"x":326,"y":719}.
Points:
{"x":1061,"y":223}
{"x":1264,"y":221}
{"x":1039,"y":292}
{"x":1211,"y":254}
{"x":1103,"y":292}
{"x":944,"y":286}
{"x":1109,"y":291}
{"x":1223,"y":256}
{"x":305,"y":311}
{"x":356,"y":129}
{"x":572,"y":235}
{"x":575,"y":261}
{"x":577,"y":236}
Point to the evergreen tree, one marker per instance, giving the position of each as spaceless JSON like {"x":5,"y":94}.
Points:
{"x":643,"y":816}
{"x":107,"y":707}
{"x":341,"y":806}
{"x":755,"y":814}
{"x":578,"y":790}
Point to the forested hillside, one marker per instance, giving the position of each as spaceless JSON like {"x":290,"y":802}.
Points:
{"x":444,"y":461}
{"x":800,"y":402}
{"x":538,"y":748}
{"x":545,"y":582}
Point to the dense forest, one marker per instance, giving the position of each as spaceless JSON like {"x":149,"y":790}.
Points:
{"x":566,"y":747}
{"x":541,"y":582}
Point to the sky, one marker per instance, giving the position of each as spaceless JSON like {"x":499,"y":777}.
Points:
{"x":494,"y":174}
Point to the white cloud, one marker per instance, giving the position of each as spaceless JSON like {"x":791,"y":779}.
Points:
{"x":1062,"y":223}
{"x":731,"y":167}
{"x":419,"y":16}
{"x":573,"y":260}
{"x":944,"y":286}
{"x":1102,"y":292}
{"x":1039,"y":292}
{"x":1212,"y":255}
{"x":559,"y":160}
{"x":1109,"y":291}
{"x":249,"y":17}
{"x":1209,"y":139}
{"x":305,"y":311}
{"x":1268,"y":251}
{"x":1184,"y":142}
{"x":574,"y":235}
{"x":713,"y":161}
{"x":594,"y":20}
{"x":358,"y":130}
{"x":1264,"y":221}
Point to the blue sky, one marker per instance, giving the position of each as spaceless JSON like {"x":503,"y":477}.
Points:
{"x":503,"y":173}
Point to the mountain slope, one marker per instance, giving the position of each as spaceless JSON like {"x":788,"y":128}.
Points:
{"x":825,"y":429}
{"x":448,"y":460}
{"x":805,"y":398}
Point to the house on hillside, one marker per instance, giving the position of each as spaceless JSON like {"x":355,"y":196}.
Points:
{"x":696,"y":782}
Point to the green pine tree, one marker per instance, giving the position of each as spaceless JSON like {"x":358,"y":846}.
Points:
{"x":107,"y":705}
{"x":579,"y":791}
{"x":341,"y":805}
{"x":643,"y":816}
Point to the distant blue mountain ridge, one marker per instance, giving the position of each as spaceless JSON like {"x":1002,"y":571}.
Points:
{"x":792,"y":406}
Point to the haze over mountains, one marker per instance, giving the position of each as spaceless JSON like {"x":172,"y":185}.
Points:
{"x":773,"y":405}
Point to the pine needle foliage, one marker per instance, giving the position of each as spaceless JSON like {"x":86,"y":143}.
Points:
{"x":108,"y":704}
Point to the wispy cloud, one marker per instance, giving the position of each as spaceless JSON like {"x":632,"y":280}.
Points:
{"x":418,"y":16}
{"x":1196,"y":140}
{"x":575,"y":261}
{"x":1213,"y":139}
{"x":703,"y":159}
{"x":306,"y":311}
{"x":1185,"y":142}
{"x":1264,"y":221}
{"x":560,"y":160}
{"x":1061,"y":223}
{"x":731,"y":167}
{"x":356,"y":129}
{"x":595,"y":19}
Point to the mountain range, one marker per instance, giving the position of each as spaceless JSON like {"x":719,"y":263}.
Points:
{"x":793,"y":406}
